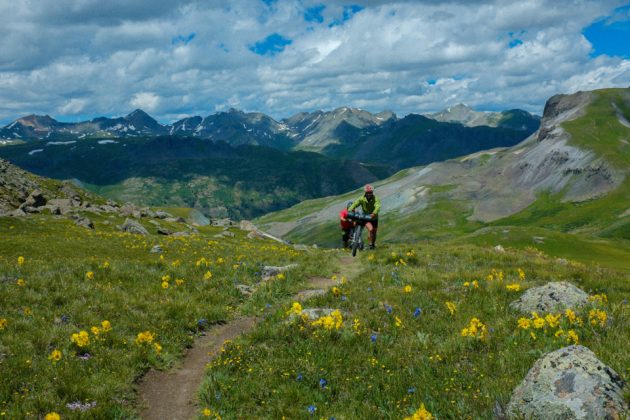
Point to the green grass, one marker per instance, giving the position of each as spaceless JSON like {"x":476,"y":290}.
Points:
{"x":50,"y":297}
{"x":601,"y":131}
{"x":393,"y":361}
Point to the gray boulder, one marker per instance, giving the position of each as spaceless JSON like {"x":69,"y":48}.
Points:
{"x":163,"y":231}
{"x":161,"y":214}
{"x":569,"y":383}
{"x":35,"y":199}
{"x":555,"y":296}
{"x":131,"y":226}
{"x":270,"y":271}
{"x":84,"y":222}
{"x":157,"y":249}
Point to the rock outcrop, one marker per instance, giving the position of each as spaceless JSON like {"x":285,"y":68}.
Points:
{"x":569,"y":383}
{"x":555,"y":296}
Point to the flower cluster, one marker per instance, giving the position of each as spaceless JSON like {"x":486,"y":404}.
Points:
{"x":476,"y":329}
{"x":81,"y":339}
{"x":330,"y":322}
{"x":421,"y":414}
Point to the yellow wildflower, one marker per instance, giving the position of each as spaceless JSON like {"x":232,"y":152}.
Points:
{"x":89,"y":275}
{"x":596,"y":316}
{"x":356,"y":325}
{"x":407,"y":289}
{"x":532,"y":334}
{"x":336,"y":291}
{"x":166,"y":277}
{"x":220,"y":260}
{"x":524,"y":323}
{"x":421,"y":414}
{"x":599,"y":299}
{"x":52,"y":416}
{"x":521,"y":274}
{"x":296,"y":309}
{"x":144,"y":337}
{"x":208,"y":275}
{"x":572,"y":337}
{"x":280,"y":276}
{"x":55,"y":356}
{"x":20,"y":282}
{"x":330,"y":322}
{"x":553,"y":320}
{"x":539,"y":322}
{"x":334,"y":278}
{"x":107,"y":326}
{"x":343,"y":279}
{"x":28,"y":311}
{"x":466,"y":284}
{"x":164,"y":285}
{"x":158,"y":348}
{"x":451,"y":307}
{"x":475,"y":284}
{"x":20,"y":260}
{"x":475,"y":329}
{"x":81,"y":338}
{"x":371,"y":257}
{"x":559,"y":333}
{"x":179,"y":282}
{"x":572,"y":317}
{"x":398,"y":322}
{"x":3,"y":323}
{"x":95,"y":330}
{"x":515,"y":287}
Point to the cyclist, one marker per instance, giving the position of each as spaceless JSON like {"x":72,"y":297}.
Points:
{"x":370,"y":205}
{"x":346,"y":225}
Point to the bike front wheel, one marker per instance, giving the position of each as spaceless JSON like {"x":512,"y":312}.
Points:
{"x":356,"y":240}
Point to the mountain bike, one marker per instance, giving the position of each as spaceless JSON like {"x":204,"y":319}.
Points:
{"x":356,"y":239}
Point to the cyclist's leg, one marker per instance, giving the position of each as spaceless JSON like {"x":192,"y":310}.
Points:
{"x":370,"y":229}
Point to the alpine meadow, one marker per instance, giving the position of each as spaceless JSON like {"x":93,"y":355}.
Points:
{"x":186,"y":260}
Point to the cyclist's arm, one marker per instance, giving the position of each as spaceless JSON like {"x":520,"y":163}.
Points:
{"x":355,"y":205}
{"x":377,"y":206}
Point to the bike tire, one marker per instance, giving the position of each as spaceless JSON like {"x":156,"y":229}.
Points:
{"x":356,"y":240}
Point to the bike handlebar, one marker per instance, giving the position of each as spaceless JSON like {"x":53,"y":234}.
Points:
{"x":360,"y":217}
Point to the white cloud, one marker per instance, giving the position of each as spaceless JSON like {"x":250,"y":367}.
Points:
{"x":101,"y":58}
{"x":147,"y":101}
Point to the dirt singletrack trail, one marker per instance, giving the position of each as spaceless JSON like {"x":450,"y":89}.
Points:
{"x":172,"y":395}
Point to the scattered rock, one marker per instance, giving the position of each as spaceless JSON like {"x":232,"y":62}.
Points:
{"x":556,"y":296}
{"x":17,"y":213}
{"x":538,"y":239}
{"x":300,"y":247}
{"x":562,"y":261}
{"x":175,"y":220}
{"x":155,"y":223}
{"x":84,"y":222}
{"x":108,"y":209}
{"x":499,"y":249}
{"x":246,"y":290}
{"x":222,"y":222}
{"x":157,"y":249}
{"x":161,"y":214}
{"x":35,"y":199}
{"x":569,"y":383}
{"x":269,"y":271}
{"x":131,"y":226}
{"x":248,"y":226}
{"x":254,"y":235}
{"x":307,"y":294}
{"x":163,"y":231}
{"x":224,"y":234}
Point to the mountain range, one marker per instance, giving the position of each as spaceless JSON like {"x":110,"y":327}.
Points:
{"x":344,"y":132}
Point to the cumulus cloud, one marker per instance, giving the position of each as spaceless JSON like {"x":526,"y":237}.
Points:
{"x":88,"y":57}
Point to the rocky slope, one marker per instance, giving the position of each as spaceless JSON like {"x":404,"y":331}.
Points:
{"x":465,"y":115}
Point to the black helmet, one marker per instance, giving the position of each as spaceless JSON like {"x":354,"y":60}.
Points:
{"x":349,"y":204}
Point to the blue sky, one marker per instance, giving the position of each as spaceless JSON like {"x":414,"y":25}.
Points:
{"x":78,"y":59}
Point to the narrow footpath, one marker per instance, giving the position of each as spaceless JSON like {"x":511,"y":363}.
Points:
{"x":172,"y":395}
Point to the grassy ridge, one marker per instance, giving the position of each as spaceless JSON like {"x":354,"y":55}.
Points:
{"x":71,"y":280}
{"x":399,"y":346}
